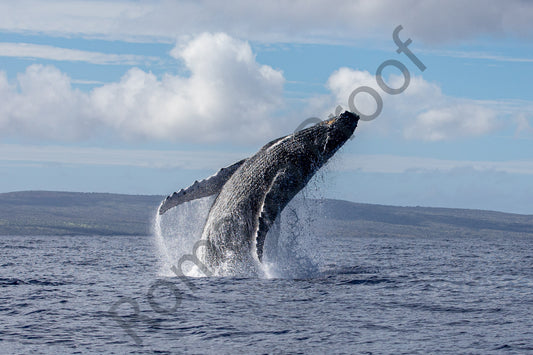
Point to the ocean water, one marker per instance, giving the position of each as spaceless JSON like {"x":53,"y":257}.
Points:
{"x":389,"y":295}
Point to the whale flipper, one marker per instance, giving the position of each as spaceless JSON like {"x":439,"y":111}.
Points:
{"x":207,"y":187}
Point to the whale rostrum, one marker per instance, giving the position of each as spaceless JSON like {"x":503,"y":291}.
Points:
{"x":251,"y":193}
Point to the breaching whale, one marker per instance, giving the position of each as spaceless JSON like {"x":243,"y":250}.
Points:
{"x":251,"y":193}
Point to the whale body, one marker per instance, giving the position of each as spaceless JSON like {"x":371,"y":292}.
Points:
{"x":252,"y":193}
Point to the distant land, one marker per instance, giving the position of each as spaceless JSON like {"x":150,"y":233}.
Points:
{"x":74,"y":213}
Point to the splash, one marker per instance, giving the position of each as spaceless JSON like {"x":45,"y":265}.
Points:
{"x":176,"y":233}
{"x":289,"y":251}
{"x":291,"y":244}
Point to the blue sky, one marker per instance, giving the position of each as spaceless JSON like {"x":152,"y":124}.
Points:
{"x":146,"y":97}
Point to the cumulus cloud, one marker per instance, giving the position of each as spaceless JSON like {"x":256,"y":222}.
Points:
{"x":43,"y":104}
{"x":421,"y":112}
{"x":280,"y":21}
{"x":228,"y":95}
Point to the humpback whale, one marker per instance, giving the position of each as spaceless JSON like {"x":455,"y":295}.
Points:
{"x":251,"y":193}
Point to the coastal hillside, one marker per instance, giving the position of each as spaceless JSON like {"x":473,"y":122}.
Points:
{"x":73,"y":213}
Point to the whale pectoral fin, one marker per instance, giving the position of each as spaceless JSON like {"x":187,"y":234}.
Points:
{"x":285,"y":186}
{"x":207,"y":187}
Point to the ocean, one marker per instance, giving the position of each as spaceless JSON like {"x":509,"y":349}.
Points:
{"x":387,"y":295}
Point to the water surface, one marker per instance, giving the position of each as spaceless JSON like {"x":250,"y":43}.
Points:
{"x":367,"y":295}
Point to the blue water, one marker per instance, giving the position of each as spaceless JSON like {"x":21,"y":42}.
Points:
{"x":367,"y":295}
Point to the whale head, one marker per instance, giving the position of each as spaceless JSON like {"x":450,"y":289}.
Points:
{"x":339,"y":130}
{"x":320,"y":142}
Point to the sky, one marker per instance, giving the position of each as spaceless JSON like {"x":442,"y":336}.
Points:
{"x":144,"y":97}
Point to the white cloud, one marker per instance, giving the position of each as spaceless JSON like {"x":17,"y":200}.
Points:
{"x":28,"y":50}
{"x":214,"y":160}
{"x":279,"y":21}
{"x":70,"y":155}
{"x":523,"y":126}
{"x":456,"y":120}
{"x":43,"y":104}
{"x":86,"y":82}
{"x":421,"y":112}
{"x":228,"y":95}
{"x":391,"y":164}
{"x":477,"y":55}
